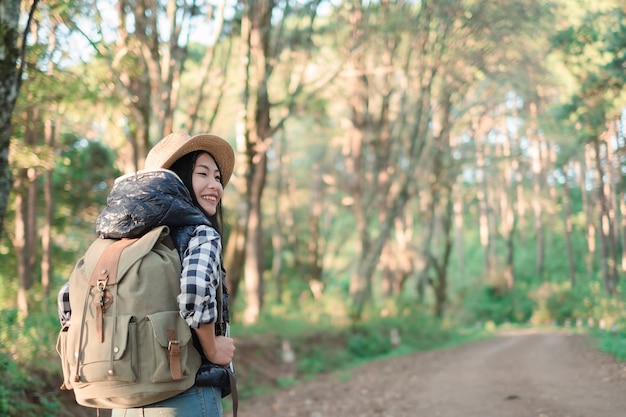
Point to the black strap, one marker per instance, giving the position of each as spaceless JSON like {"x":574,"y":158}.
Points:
{"x":220,"y":302}
{"x":222,"y":330}
{"x":233,"y":391}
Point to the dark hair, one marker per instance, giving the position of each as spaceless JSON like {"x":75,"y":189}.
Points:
{"x":183,"y":167}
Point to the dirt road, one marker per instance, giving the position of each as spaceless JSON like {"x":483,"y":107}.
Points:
{"x":522,"y":374}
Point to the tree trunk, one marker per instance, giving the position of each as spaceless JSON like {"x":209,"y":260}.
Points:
{"x":316,"y":241}
{"x":50,"y":131}
{"x":607,"y":250}
{"x":481,"y":195}
{"x":428,"y":219}
{"x":258,"y":136}
{"x":622,"y":209}
{"x":26,"y":231}
{"x":587,"y":170}
{"x":234,"y":256}
{"x":440,"y":283}
{"x":620,"y":130}
{"x":20,"y":244}
{"x":509,"y":220}
{"x":278,"y":237}
{"x":443,"y":177}
{"x":12,"y":62}
{"x":401,"y":255}
{"x":521,"y":208}
{"x":377,"y":196}
{"x":459,"y":211}
{"x":32,"y":136}
{"x":253,"y":269}
{"x":260,"y":52}
{"x":360,"y":284}
{"x":537,"y":172}
{"x":613,"y":176}
{"x":567,"y":217}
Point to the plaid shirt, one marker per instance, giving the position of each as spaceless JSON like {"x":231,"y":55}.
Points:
{"x":201,"y":275}
{"x":198,"y":284}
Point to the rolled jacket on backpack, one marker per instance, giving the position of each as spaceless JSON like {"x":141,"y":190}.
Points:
{"x":144,"y":200}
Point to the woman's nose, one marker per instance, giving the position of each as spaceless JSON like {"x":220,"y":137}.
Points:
{"x":214,"y":184}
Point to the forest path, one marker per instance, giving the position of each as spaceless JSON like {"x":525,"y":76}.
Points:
{"x":516,"y":374}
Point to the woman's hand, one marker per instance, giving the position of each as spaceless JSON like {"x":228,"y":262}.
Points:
{"x":225,"y":351}
{"x":220,"y":350}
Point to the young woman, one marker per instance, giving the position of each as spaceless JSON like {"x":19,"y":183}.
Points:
{"x":181,"y":187}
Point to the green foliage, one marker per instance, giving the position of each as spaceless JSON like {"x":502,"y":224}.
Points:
{"x":613,"y":342}
{"x":320,"y":359}
{"x":561,"y":304}
{"x":367,"y":344}
{"x":482,"y":303}
{"x":83,"y":177}
{"x":22,"y":394}
{"x":371,"y":340}
{"x":593,"y":51}
{"x":555,"y":303}
{"x":592,"y":54}
{"x":321,"y":349}
{"x":27,"y":362}
{"x":29,"y":340}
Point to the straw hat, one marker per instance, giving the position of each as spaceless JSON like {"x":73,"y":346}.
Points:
{"x":172,"y":147}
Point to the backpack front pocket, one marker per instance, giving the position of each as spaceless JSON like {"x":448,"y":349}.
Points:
{"x":171,"y":342}
{"x":113,"y":359}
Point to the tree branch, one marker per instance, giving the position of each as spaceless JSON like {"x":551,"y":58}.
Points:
{"x":20,"y":71}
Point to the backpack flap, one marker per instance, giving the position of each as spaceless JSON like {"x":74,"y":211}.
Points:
{"x":138,"y":251}
{"x":113,"y":264}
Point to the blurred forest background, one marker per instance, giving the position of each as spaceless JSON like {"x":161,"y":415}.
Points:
{"x":441,"y":163}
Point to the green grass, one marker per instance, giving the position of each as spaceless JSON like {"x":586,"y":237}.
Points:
{"x":611,"y":342}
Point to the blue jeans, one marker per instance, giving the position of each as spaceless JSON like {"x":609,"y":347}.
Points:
{"x":195,"y":402}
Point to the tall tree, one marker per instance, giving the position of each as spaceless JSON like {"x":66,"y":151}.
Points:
{"x":43,"y":93}
{"x":567,"y":218}
{"x":12,"y":65}
{"x":380,"y":137}
{"x":593,"y":104}
{"x":257,"y":18}
{"x":25,"y":240}
{"x":264,"y":40}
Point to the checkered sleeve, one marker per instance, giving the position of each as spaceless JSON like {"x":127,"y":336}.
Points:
{"x":63,"y":304}
{"x":201,"y":268}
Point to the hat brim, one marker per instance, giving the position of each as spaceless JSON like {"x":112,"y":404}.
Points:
{"x":173,"y":147}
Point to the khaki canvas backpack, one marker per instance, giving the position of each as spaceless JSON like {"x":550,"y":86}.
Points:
{"x":126,"y":344}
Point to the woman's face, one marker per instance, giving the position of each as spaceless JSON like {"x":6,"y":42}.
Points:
{"x":206,"y":181}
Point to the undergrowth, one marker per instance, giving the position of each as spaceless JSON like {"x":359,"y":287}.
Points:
{"x":612,"y":340}
{"x":27,"y":362}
